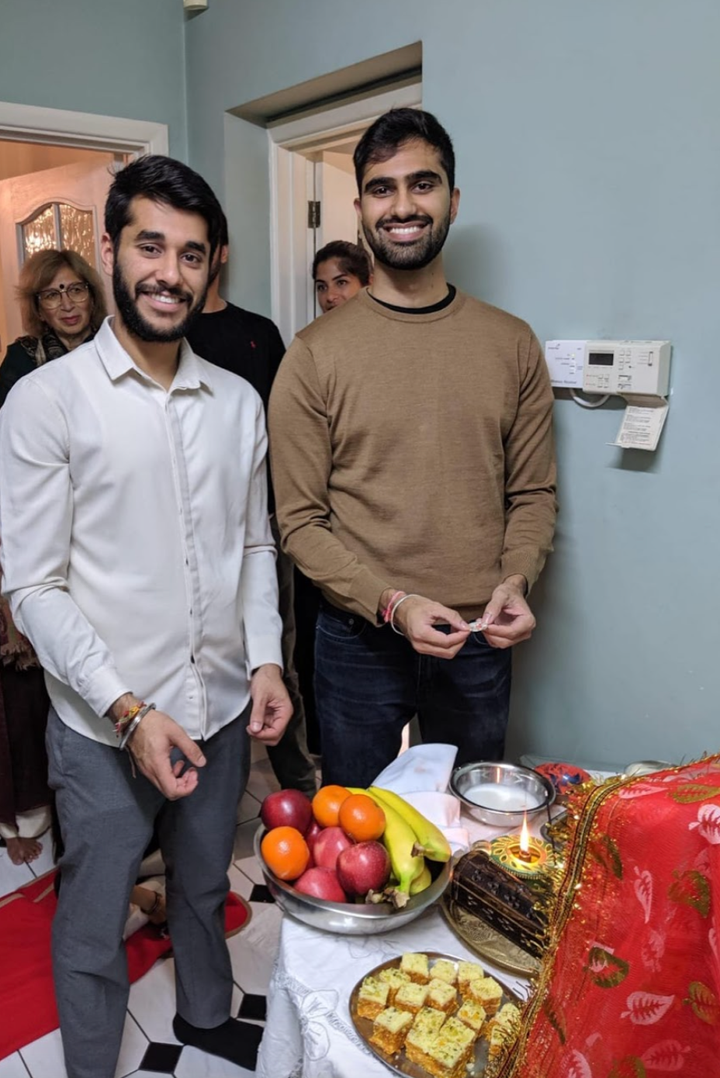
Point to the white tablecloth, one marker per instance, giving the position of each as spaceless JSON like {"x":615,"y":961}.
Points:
{"x":309,"y":1032}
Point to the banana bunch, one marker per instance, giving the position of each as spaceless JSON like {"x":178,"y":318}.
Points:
{"x":409,"y":838}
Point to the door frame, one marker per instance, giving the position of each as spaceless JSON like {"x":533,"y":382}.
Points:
{"x":289,"y":142}
{"x":35,"y":123}
{"x":89,"y":131}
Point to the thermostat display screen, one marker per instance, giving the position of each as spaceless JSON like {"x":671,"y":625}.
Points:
{"x":601,"y":359}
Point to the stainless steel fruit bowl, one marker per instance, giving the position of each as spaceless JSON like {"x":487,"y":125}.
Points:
{"x":348,"y":918}
{"x":501,"y":793}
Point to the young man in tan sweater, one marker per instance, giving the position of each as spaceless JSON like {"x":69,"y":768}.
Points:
{"x":412,"y":452}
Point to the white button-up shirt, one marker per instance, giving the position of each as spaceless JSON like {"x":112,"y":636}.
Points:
{"x":136,"y":547}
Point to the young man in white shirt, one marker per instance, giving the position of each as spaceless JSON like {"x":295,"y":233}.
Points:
{"x":138,"y":559}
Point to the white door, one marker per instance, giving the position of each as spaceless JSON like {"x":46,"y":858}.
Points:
{"x":315,"y":205}
{"x":335,"y":192}
{"x":294,"y":181}
{"x":55,"y":207}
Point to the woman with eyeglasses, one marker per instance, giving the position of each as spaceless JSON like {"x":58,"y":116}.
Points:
{"x":62,"y":305}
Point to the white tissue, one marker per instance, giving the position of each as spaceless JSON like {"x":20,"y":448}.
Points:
{"x":421,"y":776}
{"x":420,"y":769}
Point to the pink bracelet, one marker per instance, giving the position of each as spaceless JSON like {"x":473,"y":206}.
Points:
{"x":387,"y":612}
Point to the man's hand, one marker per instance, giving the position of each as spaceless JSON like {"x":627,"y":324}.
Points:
{"x":416,"y":618}
{"x":271,"y":710}
{"x":508,"y":619}
{"x":151,"y":745}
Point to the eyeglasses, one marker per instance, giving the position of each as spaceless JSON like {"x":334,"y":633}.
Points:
{"x":51,"y":298}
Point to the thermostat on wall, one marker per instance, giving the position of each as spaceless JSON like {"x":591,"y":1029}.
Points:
{"x":621,"y":367}
{"x":627,"y":367}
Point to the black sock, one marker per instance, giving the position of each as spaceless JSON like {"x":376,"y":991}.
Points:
{"x":233,"y":1040}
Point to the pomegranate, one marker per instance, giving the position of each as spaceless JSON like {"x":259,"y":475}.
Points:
{"x":286,"y":808}
{"x":363,"y":867}
{"x":320,"y":883}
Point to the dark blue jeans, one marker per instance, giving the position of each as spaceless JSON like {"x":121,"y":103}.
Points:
{"x":369,"y":683}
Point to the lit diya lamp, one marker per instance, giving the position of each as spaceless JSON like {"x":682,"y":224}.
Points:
{"x":522,"y":854}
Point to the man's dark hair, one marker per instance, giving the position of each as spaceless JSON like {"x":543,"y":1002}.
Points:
{"x":224,"y":240}
{"x":351,"y":258}
{"x":390,"y":131}
{"x":161,"y":179}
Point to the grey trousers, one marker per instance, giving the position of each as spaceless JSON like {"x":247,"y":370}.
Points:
{"x":107,"y":818}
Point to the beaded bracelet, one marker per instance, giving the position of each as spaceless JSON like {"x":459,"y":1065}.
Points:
{"x":132,"y":727}
{"x":395,"y":610}
{"x":387,"y":612}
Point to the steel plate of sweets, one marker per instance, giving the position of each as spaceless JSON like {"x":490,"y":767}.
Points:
{"x":433,"y":1014}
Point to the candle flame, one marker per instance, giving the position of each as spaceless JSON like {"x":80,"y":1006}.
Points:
{"x":525,"y":835}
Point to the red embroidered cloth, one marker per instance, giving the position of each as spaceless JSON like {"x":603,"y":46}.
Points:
{"x":630,"y":987}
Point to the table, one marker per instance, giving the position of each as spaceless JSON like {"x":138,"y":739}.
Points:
{"x":309,"y":1032}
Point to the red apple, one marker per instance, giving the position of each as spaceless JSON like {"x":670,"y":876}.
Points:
{"x":328,"y":845}
{"x":312,"y":833}
{"x":320,"y":883}
{"x":363,"y":867}
{"x":286,"y":808}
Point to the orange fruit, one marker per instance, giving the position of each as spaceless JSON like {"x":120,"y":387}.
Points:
{"x":285,"y":852}
{"x":361,"y":818}
{"x":326,"y":804}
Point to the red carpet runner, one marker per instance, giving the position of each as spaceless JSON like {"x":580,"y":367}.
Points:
{"x":27,"y":999}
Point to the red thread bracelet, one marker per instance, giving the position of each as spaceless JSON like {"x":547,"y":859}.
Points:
{"x":387,"y":612}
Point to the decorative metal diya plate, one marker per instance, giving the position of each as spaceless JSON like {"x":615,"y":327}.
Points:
{"x":399,"y":1062}
{"x":486,"y":942}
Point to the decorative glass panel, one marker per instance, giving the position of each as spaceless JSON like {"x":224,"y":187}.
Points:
{"x":39,"y":233}
{"x":77,"y":229}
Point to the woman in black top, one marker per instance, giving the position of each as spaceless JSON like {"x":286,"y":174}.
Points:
{"x":62,"y":305}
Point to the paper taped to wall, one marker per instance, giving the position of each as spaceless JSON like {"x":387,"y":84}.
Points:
{"x":642,"y":423}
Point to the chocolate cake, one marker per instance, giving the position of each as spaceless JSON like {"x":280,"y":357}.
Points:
{"x":513,"y":906}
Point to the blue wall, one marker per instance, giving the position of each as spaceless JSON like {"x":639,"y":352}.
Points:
{"x":589,"y":163}
{"x":114,"y":59}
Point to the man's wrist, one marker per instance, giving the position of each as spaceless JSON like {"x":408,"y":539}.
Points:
{"x":517,"y":582}
{"x":389,"y":599}
{"x":126,"y":731}
{"x":400,"y":610}
{"x":269,"y":669}
{"x":122,"y":706}
{"x":384,"y":600}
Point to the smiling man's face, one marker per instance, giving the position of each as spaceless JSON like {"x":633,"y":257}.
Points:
{"x":160,"y":270}
{"x":406,"y":207}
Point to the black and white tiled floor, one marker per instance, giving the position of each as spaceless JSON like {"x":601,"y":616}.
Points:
{"x":149,"y":1047}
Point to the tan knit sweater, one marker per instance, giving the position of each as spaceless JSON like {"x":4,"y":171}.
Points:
{"x":414,"y":451}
